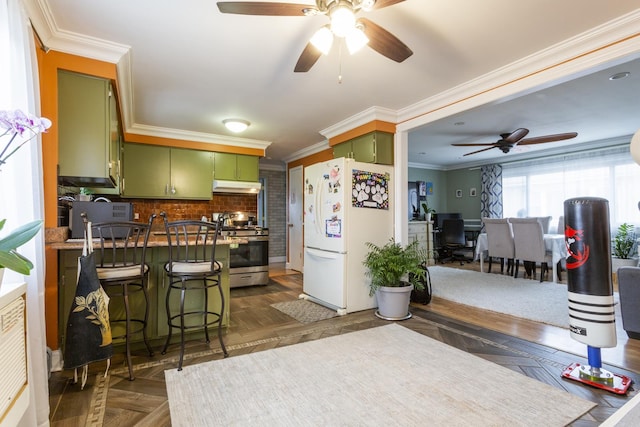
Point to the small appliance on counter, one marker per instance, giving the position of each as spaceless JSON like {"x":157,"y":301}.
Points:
{"x":98,"y":211}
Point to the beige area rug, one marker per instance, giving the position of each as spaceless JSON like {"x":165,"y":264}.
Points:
{"x":384,"y":376}
{"x":304,"y":311}
{"x":544,"y":302}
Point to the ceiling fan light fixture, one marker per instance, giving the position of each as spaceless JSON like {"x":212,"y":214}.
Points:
{"x":322,"y":40}
{"x":236,"y":125}
{"x":356,"y":40}
{"x":342,"y":19}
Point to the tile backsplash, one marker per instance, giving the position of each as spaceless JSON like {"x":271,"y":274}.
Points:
{"x":193,"y":209}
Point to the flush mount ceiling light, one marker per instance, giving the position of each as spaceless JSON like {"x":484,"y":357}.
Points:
{"x":236,"y":125}
{"x":619,"y":76}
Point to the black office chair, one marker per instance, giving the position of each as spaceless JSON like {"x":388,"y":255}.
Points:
{"x":452,"y":238}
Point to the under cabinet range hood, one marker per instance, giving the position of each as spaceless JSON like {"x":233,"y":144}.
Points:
{"x":246,"y":187}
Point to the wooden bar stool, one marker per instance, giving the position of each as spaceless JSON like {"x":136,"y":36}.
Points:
{"x":123,"y":272}
{"x":192,"y":269}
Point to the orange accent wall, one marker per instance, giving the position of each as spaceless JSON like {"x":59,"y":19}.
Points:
{"x":48,"y":65}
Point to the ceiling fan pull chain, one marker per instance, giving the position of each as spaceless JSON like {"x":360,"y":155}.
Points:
{"x":340,"y":64}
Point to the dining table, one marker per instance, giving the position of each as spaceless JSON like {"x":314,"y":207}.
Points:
{"x":553,"y":243}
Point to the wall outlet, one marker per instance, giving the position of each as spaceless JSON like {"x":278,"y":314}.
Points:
{"x":136,"y":215}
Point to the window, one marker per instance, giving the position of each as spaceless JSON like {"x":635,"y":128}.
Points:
{"x":540,"y":187}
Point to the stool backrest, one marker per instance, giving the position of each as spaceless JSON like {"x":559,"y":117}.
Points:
{"x":121,"y":243}
{"x":192,"y":241}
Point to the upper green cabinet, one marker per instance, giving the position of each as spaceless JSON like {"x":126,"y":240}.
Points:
{"x":236,"y":167}
{"x":159,"y":172}
{"x":373,"y":147}
{"x":88,"y":132}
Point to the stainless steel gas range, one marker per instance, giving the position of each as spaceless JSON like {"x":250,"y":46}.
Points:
{"x":249,"y":262}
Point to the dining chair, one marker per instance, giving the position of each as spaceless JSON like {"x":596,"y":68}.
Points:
{"x":193,"y":270}
{"x":545,"y":222}
{"x":453,"y":239}
{"x":529,"y":245}
{"x":123,"y":271}
{"x":500,"y":242}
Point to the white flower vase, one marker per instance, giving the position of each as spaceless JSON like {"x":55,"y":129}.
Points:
{"x":428,"y":217}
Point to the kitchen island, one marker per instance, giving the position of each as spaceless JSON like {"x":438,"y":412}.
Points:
{"x":157,"y":255}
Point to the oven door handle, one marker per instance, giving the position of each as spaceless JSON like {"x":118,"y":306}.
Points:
{"x":254,"y":238}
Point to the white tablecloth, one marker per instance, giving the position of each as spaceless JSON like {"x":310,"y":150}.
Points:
{"x":552,"y":242}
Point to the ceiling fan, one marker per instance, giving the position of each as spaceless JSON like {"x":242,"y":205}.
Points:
{"x":509,"y":140}
{"x":342,"y":13}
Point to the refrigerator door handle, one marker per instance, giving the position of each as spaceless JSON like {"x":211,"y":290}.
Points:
{"x":322,"y":254}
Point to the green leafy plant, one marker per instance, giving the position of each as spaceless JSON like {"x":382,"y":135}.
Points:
{"x":624,"y":241}
{"x":387,"y":265}
{"x":9,"y":257}
{"x":427,"y":209}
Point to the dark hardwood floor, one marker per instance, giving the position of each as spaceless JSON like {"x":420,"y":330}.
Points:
{"x":536,"y":350}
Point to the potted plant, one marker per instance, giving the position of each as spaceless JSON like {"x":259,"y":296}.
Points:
{"x":623,"y":248}
{"x":427,"y":211}
{"x":394,"y":271}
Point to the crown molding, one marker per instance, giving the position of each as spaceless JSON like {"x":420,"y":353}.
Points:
{"x":579,"y":55}
{"x":308,"y":151}
{"x":367,"y":116}
{"x":184,"y":135}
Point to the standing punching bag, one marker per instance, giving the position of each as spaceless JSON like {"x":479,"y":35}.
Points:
{"x":590,"y":290}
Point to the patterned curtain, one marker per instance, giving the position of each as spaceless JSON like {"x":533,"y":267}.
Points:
{"x":491,"y":195}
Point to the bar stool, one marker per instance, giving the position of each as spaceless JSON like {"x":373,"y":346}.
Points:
{"x":123,"y":272}
{"x":192,"y":269}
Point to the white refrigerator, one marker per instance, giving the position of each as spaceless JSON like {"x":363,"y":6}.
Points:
{"x":346,"y":205}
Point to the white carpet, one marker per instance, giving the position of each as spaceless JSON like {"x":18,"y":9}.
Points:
{"x":385,"y":376}
{"x":544,"y":302}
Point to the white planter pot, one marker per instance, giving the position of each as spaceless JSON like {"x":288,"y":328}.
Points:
{"x":616,"y":263}
{"x":393,"y":302}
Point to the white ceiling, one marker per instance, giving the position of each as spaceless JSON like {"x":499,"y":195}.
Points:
{"x":184,"y":67}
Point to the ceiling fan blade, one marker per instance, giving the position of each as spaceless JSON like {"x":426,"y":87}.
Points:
{"x":308,"y":57}
{"x":385,"y":43}
{"x":516,"y":135}
{"x":475,"y":145}
{"x":384,"y":3}
{"x":548,"y":138}
{"x":480,"y":151}
{"x":262,"y":8}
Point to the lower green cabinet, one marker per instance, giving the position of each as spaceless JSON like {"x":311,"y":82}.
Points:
{"x":194,"y":299}
{"x":157,"y":286}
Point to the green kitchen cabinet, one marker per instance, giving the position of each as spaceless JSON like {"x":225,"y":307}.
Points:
{"x":156,"y":286}
{"x":152,"y":171}
{"x":373,"y":147}
{"x":236,"y":167}
{"x":194,"y":299}
{"x":88,"y":132}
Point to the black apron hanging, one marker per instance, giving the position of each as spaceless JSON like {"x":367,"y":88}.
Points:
{"x":88,"y":337}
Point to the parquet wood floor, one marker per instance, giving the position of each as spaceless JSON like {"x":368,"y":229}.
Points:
{"x":536,"y":350}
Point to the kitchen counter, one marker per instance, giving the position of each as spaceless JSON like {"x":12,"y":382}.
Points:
{"x":70,"y":249}
{"x":156,"y":240}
